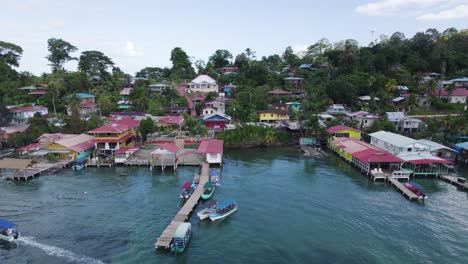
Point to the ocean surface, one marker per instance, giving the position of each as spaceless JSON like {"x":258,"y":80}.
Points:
{"x":291,"y":210}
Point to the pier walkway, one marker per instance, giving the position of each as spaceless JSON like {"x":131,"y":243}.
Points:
{"x":455,"y":181}
{"x":165,"y":239}
{"x":405,"y":191}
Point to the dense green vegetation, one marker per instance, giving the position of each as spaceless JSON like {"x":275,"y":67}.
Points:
{"x":341,"y":72}
{"x":254,"y":136}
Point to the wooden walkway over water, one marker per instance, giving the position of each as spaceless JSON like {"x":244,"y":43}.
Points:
{"x":405,"y":191}
{"x":165,"y":239}
{"x":454,"y":181}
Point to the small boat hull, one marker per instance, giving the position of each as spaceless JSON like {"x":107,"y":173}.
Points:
{"x":205,"y":213}
{"x":78,"y":167}
{"x":421,"y":195}
{"x":215,"y":216}
{"x":7,"y":238}
{"x":206,"y":196}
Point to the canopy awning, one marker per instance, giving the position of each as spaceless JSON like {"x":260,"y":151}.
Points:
{"x":186,"y":185}
{"x":4,"y":224}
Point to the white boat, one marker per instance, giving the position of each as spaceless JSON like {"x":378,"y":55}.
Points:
{"x":223,"y":209}
{"x":8,"y":231}
{"x":210,"y":208}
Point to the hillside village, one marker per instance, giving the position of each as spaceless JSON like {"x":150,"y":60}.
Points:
{"x":160,"y":116}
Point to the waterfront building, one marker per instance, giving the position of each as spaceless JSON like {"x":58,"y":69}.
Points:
{"x":367,"y":157}
{"x":272,"y":115}
{"x":343,"y":131}
{"x":164,"y":155}
{"x":218,"y":105}
{"x":122,"y":155}
{"x":416,"y":154}
{"x":21,"y":115}
{"x":462,"y":149}
{"x":439,"y":150}
{"x":213,"y":150}
{"x":363,"y":119}
{"x":203,"y":84}
{"x":114,"y":136}
{"x":87,"y":105}
{"x":69,"y":147}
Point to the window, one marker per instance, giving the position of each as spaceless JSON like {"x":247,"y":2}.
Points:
{"x":365,"y":121}
{"x":410,"y":149}
{"x":271,"y":115}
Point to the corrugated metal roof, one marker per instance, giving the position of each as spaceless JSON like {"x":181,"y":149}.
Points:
{"x":434,"y":145}
{"x":393,"y":139}
{"x":395,"y":116}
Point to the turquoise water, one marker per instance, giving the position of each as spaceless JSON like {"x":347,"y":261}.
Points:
{"x":291,"y":210}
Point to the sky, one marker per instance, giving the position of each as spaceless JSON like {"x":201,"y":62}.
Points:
{"x":141,"y":33}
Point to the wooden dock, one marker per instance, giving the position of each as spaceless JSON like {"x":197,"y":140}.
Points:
{"x":454,"y":181}
{"x":166,"y":236}
{"x":405,"y":191}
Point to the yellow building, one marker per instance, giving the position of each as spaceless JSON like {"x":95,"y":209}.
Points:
{"x":115,"y":136}
{"x":272,"y":115}
{"x":344,"y":131}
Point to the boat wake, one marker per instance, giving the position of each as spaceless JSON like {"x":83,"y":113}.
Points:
{"x":59,"y":252}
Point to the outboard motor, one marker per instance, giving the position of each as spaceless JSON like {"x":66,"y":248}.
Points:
{"x":15,"y":234}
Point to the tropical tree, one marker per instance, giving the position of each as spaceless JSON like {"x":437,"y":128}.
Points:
{"x":221,"y":58}
{"x":59,"y":53}
{"x":95,"y":64}
{"x":10,"y":54}
{"x":146,"y":127}
{"x":181,"y":66}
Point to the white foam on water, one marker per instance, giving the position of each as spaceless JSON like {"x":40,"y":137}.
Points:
{"x":59,"y":252}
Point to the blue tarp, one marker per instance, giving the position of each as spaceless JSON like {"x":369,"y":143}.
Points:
{"x":225,"y":203}
{"x":214,"y":173}
{"x":81,"y":160}
{"x":4,"y":224}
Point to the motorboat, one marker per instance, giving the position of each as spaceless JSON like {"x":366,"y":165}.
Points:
{"x":187,"y":190}
{"x":416,"y":189}
{"x":181,"y":237}
{"x":210,"y":207}
{"x":208,"y":190}
{"x":223,"y":209}
{"x":8,"y":231}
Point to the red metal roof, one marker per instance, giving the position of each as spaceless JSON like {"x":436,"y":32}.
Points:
{"x":376,"y":156}
{"x":456,"y":92}
{"x":172,"y":120}
{"x":126,"y":149}
{"x":429,"y":161}
{"x":28,"y":109}
{"x":87,"y":103}
{"x":212,"y":146}
{"x":30,"y":146}
{"x":118,"y":126}
{"x":279,"y":91}
{"x":336,"y":129}
{"x":170,"y":147}
{"x":38,"y":92}
{"x":82,"y":146}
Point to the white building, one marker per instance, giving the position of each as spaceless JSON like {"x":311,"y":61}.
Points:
{"x":337,"y":109}
{"x":403,"y":123}
{"x":22,"y":114}
{"x":397,"y":144}
{"x":213,"y":149}
{"x":203,"y":84}
{"x":364,"y":119}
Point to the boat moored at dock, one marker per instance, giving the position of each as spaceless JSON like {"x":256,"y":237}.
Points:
{"x":208,"y":190}
{"x":210,"y":207}
{"x":8,"y":231}
{"x":187,"y":190}
{"x":416,"y":189}
{"x":181,"y":237}
{"x":223,"y":209}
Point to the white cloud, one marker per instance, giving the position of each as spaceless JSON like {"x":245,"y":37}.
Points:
{"x":460,"y":11}
{"x":131,"y":50}
{"x":389,"y":7}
